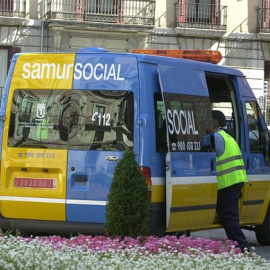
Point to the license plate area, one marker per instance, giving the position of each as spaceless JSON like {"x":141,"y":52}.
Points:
{"x":44,"y":183}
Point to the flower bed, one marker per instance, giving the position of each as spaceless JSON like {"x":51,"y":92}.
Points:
{"x":100,"y":252}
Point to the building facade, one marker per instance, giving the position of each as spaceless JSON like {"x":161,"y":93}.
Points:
{"x":239,"y":29}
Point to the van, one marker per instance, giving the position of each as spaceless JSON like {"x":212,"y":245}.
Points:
{"x":67,"y":118}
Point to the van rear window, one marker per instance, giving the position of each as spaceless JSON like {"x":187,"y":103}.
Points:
{"x":77,"y":119}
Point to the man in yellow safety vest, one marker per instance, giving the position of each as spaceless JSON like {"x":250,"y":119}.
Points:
{"x":231,"y":177}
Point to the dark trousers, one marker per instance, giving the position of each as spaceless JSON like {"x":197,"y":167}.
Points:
{"x":227,"y":209}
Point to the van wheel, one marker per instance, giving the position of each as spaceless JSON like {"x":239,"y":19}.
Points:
{"x":263,"y":231}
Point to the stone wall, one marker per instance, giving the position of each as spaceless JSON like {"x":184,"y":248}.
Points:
{"x":26,"y":34}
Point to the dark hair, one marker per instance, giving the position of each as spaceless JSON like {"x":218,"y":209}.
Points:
{"x":216,"y":124}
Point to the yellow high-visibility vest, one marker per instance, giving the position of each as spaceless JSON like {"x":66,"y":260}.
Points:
{"x":230,"y":165}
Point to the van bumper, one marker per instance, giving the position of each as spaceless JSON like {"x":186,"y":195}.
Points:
{"x":55,"y":227}
{"x":157,"y":224}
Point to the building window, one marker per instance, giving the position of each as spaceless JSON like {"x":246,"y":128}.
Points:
{"x":266,"y":13}
{"x":6,"y":5}
{"x":102,"y":6}
{"x":199,"y":11}
{"x":88,"y":6}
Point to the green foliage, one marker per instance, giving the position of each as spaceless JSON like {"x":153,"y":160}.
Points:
{"x":10,"y":232}
{"x":128,"y":204}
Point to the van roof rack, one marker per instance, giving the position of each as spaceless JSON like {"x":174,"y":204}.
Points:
{"x":209,"y":56}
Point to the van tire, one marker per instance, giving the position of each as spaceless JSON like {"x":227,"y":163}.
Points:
{"x":263,"y":231}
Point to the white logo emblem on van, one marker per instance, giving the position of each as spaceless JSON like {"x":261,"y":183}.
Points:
{"x":40,"y":110}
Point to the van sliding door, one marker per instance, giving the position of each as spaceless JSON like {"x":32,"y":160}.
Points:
{"x":256,"y":159}
{"x":191,"y":190}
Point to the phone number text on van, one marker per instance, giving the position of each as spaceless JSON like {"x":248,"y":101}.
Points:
{"x":186,"y":146}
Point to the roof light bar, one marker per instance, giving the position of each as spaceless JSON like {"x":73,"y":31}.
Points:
{"x":198,"y":55}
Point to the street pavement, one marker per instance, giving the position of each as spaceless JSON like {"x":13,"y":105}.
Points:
{"x":219,"y":234}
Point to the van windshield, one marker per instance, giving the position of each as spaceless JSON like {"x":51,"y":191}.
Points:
{"x":77,"y":119}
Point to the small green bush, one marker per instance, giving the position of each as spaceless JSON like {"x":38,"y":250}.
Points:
{"x":128,"y":204}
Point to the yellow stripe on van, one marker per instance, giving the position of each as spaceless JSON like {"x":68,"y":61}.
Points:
{"x":33,"y":210}
{"x":192,"y":209}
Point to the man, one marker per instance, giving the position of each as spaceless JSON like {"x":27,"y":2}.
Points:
{"x":231,"y":176}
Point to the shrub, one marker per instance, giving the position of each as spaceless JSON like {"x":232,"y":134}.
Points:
{"x":128,"y":205}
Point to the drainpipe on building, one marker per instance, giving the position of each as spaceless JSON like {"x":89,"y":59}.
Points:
{"x":42,"y":24}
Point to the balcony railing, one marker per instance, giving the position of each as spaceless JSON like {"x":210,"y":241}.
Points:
{"x":106,"y":11}
{"x":12,"y":8}
{"x":263,"y":16}
{"x":204,"y":16}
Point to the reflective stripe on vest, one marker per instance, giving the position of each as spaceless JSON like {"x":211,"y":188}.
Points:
{"x":230,"y":165}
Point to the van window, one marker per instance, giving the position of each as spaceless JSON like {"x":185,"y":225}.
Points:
{"x":101,"y":120}
{"x":63,"y":119}
{"x":257,"y":138}
{"x":39,"y":118}
{"x":223,"y":103}
{"x":187,"y":122}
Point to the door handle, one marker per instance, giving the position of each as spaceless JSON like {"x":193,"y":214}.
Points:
{"x":112,"y":158}
{"x":80,"y":179}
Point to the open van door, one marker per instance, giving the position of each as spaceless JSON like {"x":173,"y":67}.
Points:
{"x":191,"y":184}
{"x":257,"y":161}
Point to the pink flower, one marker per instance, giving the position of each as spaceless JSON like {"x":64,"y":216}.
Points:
{"x":150,"y":244}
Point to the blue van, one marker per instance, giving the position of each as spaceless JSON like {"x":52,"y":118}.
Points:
{"x":67,"y":118}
